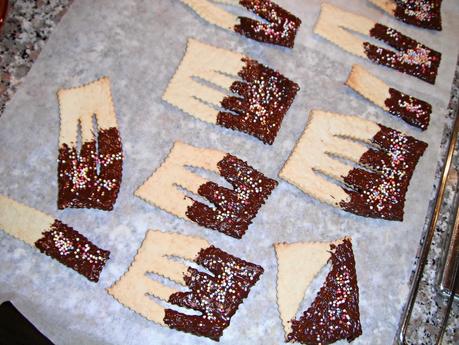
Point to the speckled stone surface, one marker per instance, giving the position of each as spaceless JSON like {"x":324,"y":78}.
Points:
{"x":429,"y":308}
{"x":25,"y":32}
{"x":28,"y":26}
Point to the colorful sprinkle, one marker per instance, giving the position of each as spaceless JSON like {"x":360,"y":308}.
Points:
{"x":379,"y":191}
{"x":423,"y":13}
{"x":72,"y":249}
{"x":281,"y":27}
{"x":263,"y":98}
{"x":217,"y":297}
{"x":91,"y":179}
{"x":233,"y":210}
{"x":334,"y":315}
{"x":411,"y":109}
{"x":412,"y":57}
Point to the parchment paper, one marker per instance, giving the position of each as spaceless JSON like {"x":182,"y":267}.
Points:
{"x":139,"y":44}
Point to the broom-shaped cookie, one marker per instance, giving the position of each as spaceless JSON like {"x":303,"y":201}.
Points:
{"x":382,"y":163}
{"x":423,"y":13}
{"x":232,"y":210}
{"x":408,"y":56}
{"x":215,"y":296}
{"x":334,"y":315}
{"x":90,"y":177}
{"x":277,"y":26}
{"x":52,"y":237}
{"x":255,"y":100}
{"x":410,"y":109}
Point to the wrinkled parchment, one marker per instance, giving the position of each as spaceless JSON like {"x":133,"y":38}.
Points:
{"x":139,"y":44}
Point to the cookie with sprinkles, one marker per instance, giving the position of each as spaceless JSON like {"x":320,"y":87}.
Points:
{"x":232,"y":210}
{"x":334,"y":314}
{"x":382,"y":164}
{"x":277,"y":25}
{"x":91,"y":176}
{"x":254,"y":100}
{"x":412,"y":110}
{"x":423,"y":13}
{"x":53,"y":238}
{"x":407,"y":56}
{"x":215,"y":296}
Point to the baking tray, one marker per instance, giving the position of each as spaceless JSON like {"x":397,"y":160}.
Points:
{"x":139,"y":44}
{"x":445,"y":277}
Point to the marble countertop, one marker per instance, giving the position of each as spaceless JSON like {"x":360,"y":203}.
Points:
{"x":429,"y":307}
{"x":26,"y":30}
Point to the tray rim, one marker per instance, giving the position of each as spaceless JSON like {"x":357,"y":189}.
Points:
{"x":427,"y":236}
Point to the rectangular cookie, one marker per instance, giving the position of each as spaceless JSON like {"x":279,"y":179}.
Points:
{"x":233,"y":209}
{"x":90,"y":177}
{"x":277,"y":25}
{"x":408,"y":56}
{"x":216,"y":296}
{"x":255,"y":100}
{"x":374,"y":184}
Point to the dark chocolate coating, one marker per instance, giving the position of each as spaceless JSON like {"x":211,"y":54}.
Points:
{"x":410,"y":109}
{"x":263,"y":98}
{"x":92,"y":178}
{"x":334,"y":315}
{"x":412,"y":57}
{"x":423,"y":13}
{"x":217,"y":297}
{"x":380,"y":192}
{"x":281,"y":27}
{"x":234,"y":209}
{"x":72,"y":249}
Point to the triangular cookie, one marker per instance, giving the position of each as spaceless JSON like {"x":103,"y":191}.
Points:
{"x":334,"y":314}
{"x":298,"y":263}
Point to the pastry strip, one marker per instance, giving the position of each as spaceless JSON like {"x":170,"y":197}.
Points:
{"x":52,"y":237}
{"x":410,"y":109}
{"x":216,"y":296}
